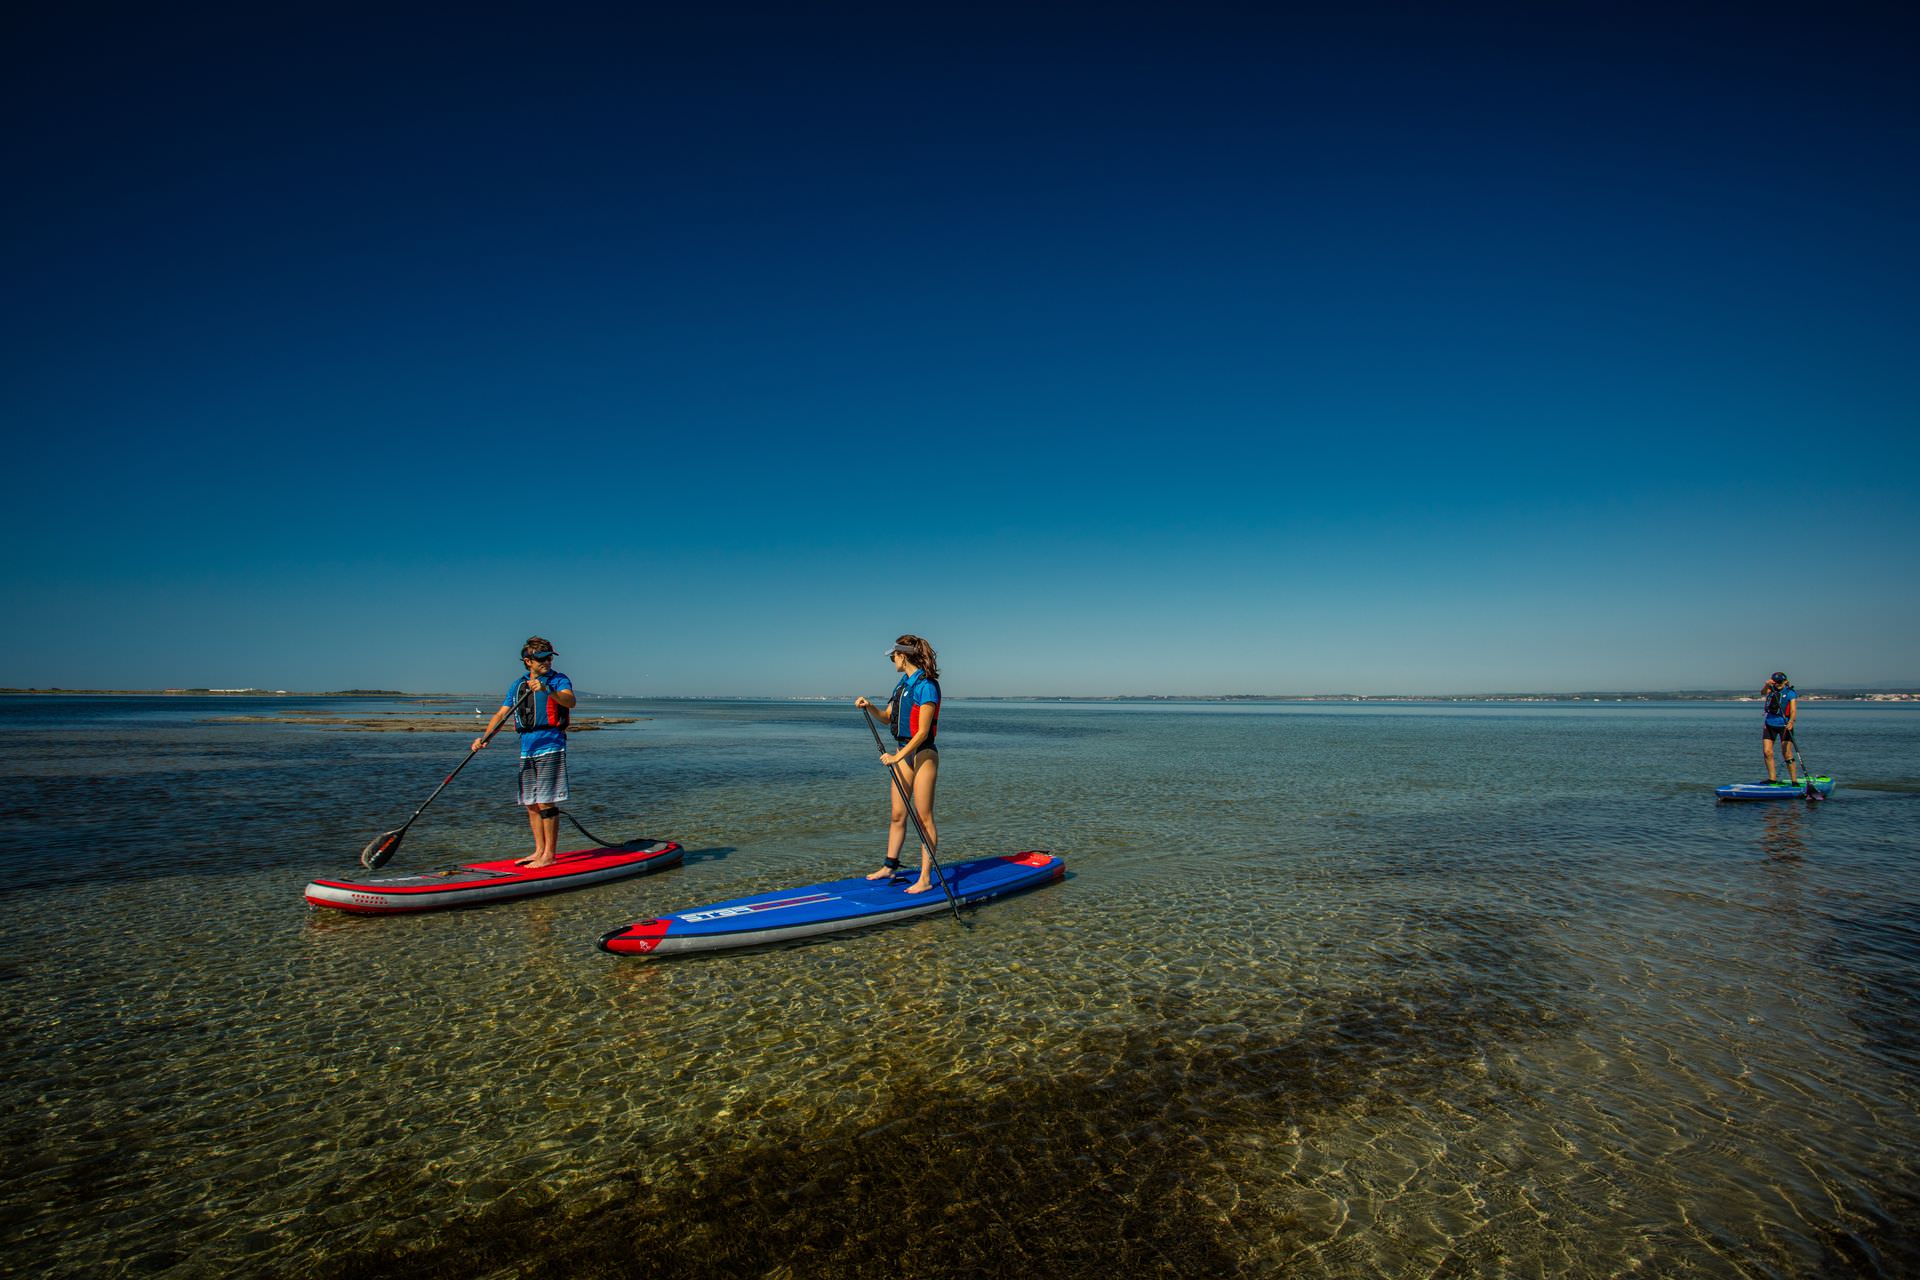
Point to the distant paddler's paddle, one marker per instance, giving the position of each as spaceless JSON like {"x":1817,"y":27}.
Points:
{"x":377,"y":853}
{"x":1813,"y":792}
{"x":907,"y":800}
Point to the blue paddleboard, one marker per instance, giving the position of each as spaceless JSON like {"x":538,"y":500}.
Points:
{"x":787,"y":914}
{"x":1773,"y":790}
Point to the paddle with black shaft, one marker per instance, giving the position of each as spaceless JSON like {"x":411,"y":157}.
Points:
{"x":1800,"y":761}
{"x":907,"y":799}
{"x":381,"y":849}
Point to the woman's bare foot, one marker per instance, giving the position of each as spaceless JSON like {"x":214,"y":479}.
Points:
{"x":884,"y":873}
{"x":920,"y":886}
{"x":533,"y":863}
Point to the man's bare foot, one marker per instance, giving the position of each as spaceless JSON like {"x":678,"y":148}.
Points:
{"x":883,"y":873}
{"x":920,"y":886}
{"x":533,"y":863}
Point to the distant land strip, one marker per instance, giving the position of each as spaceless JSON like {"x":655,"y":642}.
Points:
{"x":231,"y":693}
{"x":436,"y":722}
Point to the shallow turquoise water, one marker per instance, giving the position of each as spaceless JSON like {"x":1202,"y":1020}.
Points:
{"x":1343,"y":990}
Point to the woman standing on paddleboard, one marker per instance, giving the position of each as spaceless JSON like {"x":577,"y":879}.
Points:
{"x":913,"y":714}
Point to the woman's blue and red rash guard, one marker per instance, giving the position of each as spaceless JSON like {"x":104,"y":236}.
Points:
{"x":916,"y":701}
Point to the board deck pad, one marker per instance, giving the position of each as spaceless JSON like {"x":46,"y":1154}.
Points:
{"x":786,"y":915}
{"x":472,"y":883}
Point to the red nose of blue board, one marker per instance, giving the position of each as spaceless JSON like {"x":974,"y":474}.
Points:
{"x":790,"y":914}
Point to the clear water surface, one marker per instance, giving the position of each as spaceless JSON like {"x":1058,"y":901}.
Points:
{"x":1331,"y":990}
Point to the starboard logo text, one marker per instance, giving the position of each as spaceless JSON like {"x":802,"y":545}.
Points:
{"x":692,"y":916}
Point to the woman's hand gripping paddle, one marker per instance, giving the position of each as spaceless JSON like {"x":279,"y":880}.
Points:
{"x":381,"y":850}
{"x":907,"y":800}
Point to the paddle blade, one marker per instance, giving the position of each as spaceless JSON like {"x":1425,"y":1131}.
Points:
{"x":376,"y":854}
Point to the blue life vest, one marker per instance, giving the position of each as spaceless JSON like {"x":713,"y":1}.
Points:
{"x":540,"y":711}
{"x":905,"y":706}
{"x":1777,"y":706}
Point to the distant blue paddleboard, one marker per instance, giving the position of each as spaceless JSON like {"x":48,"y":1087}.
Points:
{"x":787,"y":914}
{"x":1772,"y":790}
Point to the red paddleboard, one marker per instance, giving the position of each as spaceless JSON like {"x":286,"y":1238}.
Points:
{"x":473,"y":883}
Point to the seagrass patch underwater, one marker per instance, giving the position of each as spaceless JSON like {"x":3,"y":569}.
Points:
{"x":1170,"y":1143}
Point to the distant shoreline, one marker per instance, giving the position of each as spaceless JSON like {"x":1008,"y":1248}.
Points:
{"x":228,"y":693}
{"x":1882,"y":696}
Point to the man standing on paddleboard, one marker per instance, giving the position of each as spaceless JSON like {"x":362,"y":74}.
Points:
{"x":541,"y":702}
{"x":1782,"y":701}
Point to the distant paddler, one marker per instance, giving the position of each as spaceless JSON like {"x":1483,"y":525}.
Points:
{"x":1781,"y":709}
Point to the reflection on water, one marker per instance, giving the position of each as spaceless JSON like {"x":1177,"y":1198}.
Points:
{"x":1424,"y":991}
{"x":1780,"y":836}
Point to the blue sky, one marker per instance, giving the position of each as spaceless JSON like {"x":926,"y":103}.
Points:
{"x":1116,"y":353}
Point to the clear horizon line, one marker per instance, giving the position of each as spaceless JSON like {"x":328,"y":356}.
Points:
{"x":1912,"y":688}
